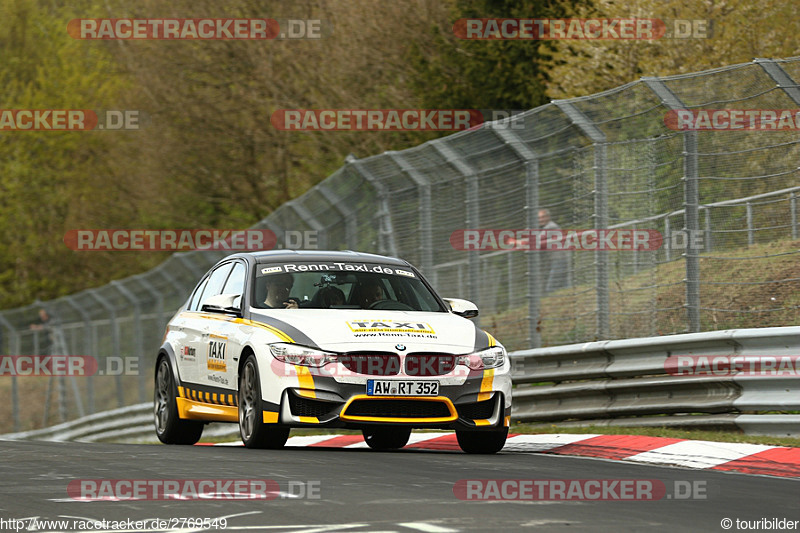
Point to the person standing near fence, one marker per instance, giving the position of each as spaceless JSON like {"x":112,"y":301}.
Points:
{"x":44,"y":325}
{"x":555,"y":262}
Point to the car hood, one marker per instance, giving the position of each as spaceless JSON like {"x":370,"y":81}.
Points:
{"x":343,"y":330}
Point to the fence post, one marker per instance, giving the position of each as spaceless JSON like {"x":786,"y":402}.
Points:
{"x":138,"y":332}
{"x":472,"y":219}
{"x":790,"y":87}
{"x":424,"y":196}
{"x":691,"y":203}
{"x":386,"y":244}
{"x":749,"y":210}
{"x":191,"y":266}
{"x":667,"y":240}
{"x":781,"y":77}
{"x":172,"y":281}
{"x":708,"y":230}
{"x":598,"y":139}
{"x":157,"y":296}
{"x":348,"y":215}
{"x":13,"y":344}
{"x":115,"y":341}
{"x":533,"y":272}
{"x":280,"y":234}
{"x":305,"y":215}
{"x":87,"y":344}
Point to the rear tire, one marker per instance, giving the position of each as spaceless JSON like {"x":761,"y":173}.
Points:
{"x":170,"y":428}
{"x":482,"y":441}
{"x":386,"y":438}
{"x":254,"y":432}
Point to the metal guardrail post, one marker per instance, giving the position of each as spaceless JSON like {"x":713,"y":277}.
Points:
{"x":424,"y":209}
{"x":138,"y":332}
{"x":533,"y":258}
{"x":13,"y":344}
{"x":598,"y":138}
{"x":691,"y":204}
{"x":348,"y":215}
{"x":115,"y":341}
{"x":472,"y":219}
{"x":386,"y":244}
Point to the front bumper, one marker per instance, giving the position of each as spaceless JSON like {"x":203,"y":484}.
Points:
{"x":467,"y":406}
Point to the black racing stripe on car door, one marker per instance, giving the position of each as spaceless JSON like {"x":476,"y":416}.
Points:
{"x":481,"y":339}
{"x":298,"y":336}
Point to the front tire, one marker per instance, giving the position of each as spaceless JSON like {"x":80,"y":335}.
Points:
{"x":170,"y":428}
{"x":386,"y":438}
{"x":482,"y":441}
{"x":254,"y":432}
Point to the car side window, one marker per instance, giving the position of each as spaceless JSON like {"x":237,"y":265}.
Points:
{"x":235,"y":283}
{"x":215,"y":282}
{"x":194,"y":305}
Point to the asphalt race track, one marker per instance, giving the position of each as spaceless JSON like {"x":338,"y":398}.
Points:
{"x":362,"y":490}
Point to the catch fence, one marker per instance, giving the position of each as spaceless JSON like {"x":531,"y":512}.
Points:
{"x":604,"y":161}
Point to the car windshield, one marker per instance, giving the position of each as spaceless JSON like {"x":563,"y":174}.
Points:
{"x":342,"y":285}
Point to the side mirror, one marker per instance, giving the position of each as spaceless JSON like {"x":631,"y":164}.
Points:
{"x":222,"y":303}
{"x":463,"y":308}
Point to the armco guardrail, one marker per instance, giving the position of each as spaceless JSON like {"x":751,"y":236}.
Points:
{"x":622,"y":383}
{"x":133,"y":423}
{"x":626,"y":382}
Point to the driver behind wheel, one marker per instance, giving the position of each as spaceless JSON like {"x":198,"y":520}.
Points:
{"x":371,"y":292}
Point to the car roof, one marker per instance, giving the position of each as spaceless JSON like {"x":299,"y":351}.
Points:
{"x":272,"y":256}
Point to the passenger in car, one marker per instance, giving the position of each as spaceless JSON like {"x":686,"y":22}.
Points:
{"x":330,"y":297}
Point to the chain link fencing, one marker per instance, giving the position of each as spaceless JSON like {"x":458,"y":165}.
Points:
{"x":606,"y":161}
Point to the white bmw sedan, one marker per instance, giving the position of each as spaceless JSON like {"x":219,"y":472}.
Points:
{"x":282,"y":339}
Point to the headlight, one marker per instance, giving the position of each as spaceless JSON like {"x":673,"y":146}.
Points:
{"x":294,"y":354}
{"x":490,"y":358}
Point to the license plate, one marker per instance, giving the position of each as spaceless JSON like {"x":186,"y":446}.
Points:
{"x":387,"y":387}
